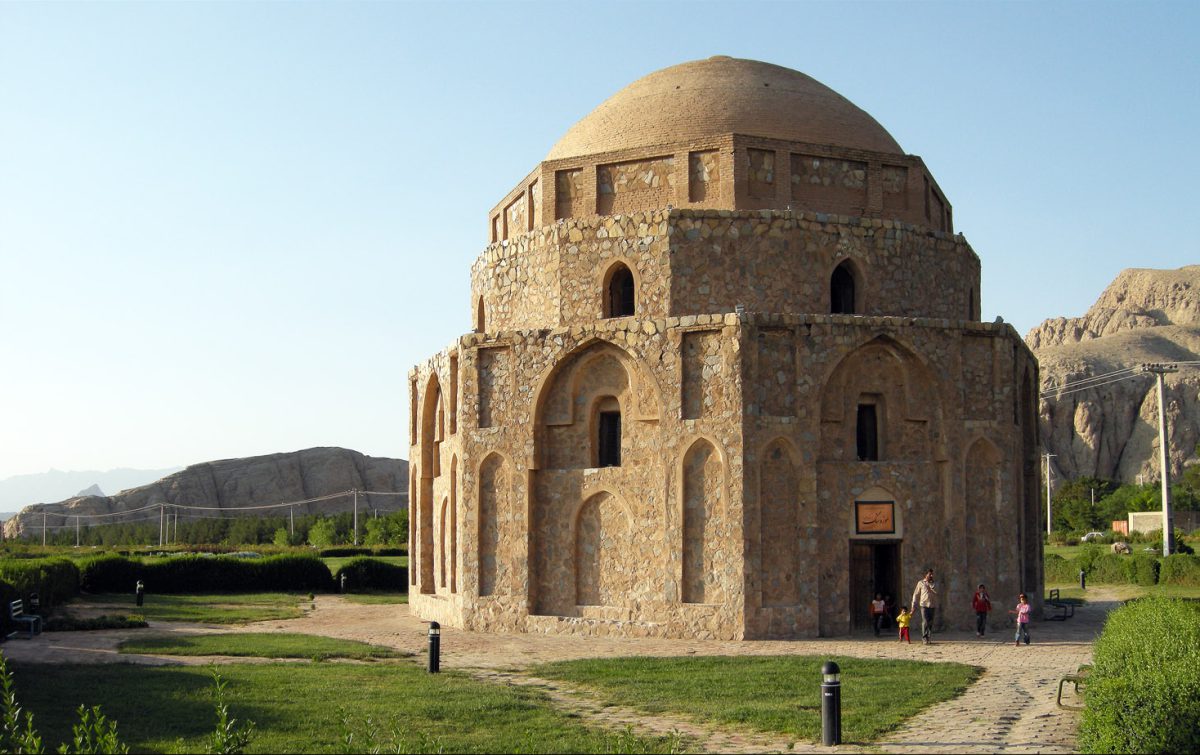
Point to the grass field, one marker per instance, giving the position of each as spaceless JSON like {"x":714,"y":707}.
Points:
{"x":302,"y":707}
{"x":203,"y":609}
{"x":376,"y":598}
{"x":1124,"y":592}
{"x":260,"y":645}
{"x":778,"y":694}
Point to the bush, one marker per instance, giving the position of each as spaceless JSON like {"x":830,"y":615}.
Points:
{"x":55,"y":580}
{"x":344,"y":551}
{"x":208,"y":574}
{"x":1143,"y":570}
{"x":364,"y":574}
{"x":1179,"y":569}
{"x":1110,"y":569}
{"x":1059,"y":569}
{"x":1144,"y":690}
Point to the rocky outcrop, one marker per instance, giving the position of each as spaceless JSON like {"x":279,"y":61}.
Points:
{"x":230,"y":486}
{"x":1111,"y":430}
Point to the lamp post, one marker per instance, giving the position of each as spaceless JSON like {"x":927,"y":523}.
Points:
{"x":831,"y":704}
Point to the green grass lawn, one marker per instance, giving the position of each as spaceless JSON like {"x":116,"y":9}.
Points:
{"x":1125,"y":591}
{"x":205,"y":609}
{"x":376,"y":598}
{"x":300,"y":708}
{"x":777,"y":694}
{"x":259,"y":645}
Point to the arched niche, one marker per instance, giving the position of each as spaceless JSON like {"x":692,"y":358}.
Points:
{"x":480,"y":316}
{"x":983,"y":500}
{"x":875,"y":515}
{"x":779,"y":523}
{"x":845,"y":289}
{"x":605,"y":569}
{"x":430,"y":466}
{"x":904,"y":393}
{"x":704,"y":523}
{"x":596,"y":377}
{"x":493,"y":491}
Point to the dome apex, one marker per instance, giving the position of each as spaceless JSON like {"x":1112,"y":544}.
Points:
{"x":721,"y":95}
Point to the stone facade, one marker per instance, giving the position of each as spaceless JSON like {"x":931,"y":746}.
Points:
{"x":712,"y":400}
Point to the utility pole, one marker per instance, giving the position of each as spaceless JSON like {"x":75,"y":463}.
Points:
{"x":162,"y":516}
{"x":291,"y":520}
{"x":1049,"y":521}
{"x":43,"y":528}
{"x":355,"y":492}
{"x":1164,"y":468}
{"x":76,"y":532}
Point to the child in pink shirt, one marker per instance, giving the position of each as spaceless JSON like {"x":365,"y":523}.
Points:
{"x":1022,"y":612}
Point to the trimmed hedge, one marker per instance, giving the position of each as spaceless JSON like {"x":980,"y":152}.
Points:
{"x":1143,"y":695}
{"x":1059,"y":569}
{"x":1178,"y":569}
{"x":54,"y":580}
{"x":364,"y":574}
{"x":207,"y":574}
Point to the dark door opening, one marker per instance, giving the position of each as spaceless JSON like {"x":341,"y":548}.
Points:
{"x":874,"y":568}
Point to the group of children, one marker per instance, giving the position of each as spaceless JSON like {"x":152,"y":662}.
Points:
{"x":981,"y":603}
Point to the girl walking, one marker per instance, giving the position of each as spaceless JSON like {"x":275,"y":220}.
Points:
{"x":902,"y":621}
{"x":1022,"y":611}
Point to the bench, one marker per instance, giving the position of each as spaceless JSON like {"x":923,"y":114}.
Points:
{"x":1078,"y":678}
{"x":1054,"y":602}
{"x":16,"y":614}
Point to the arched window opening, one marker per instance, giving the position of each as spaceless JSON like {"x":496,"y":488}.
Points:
{"x":620,"y":294}
{"x":841,"y":291}
{"x":480,"y":321}
{"x":867,"y":433}
{"x":608,"y":433}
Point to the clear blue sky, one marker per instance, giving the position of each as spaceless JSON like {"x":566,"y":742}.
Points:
{"x":230,"y":228}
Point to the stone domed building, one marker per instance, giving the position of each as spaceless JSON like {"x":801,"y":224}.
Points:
{"x":727,"y":380}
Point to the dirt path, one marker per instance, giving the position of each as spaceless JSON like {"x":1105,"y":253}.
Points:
{"x":1011,"y":708}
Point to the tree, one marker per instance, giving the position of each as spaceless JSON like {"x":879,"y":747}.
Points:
{"x":322,"y":534}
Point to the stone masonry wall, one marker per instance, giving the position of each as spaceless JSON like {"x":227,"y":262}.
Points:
{"x":735,"y":523}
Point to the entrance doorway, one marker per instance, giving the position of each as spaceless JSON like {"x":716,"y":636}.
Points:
{"x":874,"y":567}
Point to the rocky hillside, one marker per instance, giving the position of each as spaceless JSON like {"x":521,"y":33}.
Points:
{"x":230,"y":485}
{"x":1111,"y":431}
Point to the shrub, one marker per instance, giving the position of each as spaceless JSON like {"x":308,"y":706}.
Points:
{"x":392,"y":551}
{"x":1059,"y":569}
{"x":343,"y":551}
{"x":1143,"y":570}
{"x":1108,"y":568}
{"x":1179,"y":569}
{"x":110,"y":573}
{"x":1144,"y":691}
{"x":209,"y":574}
{"x":55,"y":580}
{"x":371,"y":574}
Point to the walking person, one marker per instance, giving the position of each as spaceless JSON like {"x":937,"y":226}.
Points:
{"x":878,"y":612}
{"x":902,"y":620}
{"x":925,"y":595}
{"x":982,"y":604}
{"x":1022,"y":611}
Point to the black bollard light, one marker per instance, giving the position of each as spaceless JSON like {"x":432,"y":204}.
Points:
{"x":140,"y":592}
{"x":435,"y":647}
{"x":343,"y":585}
{"x":1082,"y":579}
{"x":831,"y":704}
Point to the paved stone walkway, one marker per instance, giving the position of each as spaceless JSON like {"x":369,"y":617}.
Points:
{"x":1011,"y":708}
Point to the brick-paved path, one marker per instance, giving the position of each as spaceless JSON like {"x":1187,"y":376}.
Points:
{"x":1011,"y":708}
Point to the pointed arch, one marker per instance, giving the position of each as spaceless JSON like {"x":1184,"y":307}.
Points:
{"x":778,"y":534}
{"x":454,"y":523}
{"x":493,"y":491}
{"x":602,"y":529}
{"x":845,"y":289}
{"x":430,"y":468}
{"x":480,"y":316}
{"x":703,"y":522}
{"x":443,"y":517}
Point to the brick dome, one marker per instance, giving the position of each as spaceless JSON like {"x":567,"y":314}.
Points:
{"x":723,"y":95}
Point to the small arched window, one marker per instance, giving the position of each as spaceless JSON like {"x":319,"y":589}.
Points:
{"x":619,"y":298}
{"x":867,"y":432}
{"x":841,"y":290}
{"x":480,"y":321}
